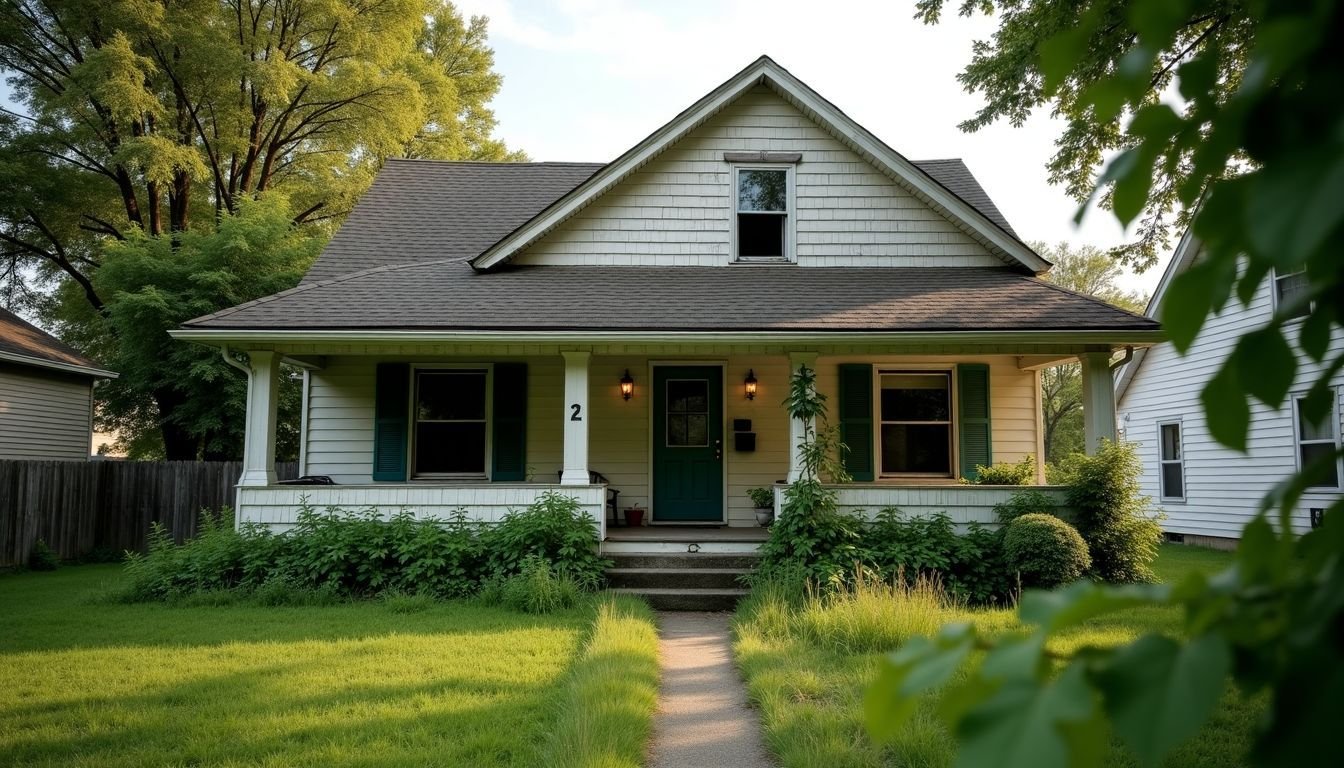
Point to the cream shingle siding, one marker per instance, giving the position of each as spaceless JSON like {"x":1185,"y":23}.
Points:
{"x":44,"y":415}
{"x":677,"y":210}
{"x":1223,"y":487}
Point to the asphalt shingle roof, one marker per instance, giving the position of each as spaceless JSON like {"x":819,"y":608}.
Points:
{"x":424,"y":210}
{"x":448,"y":295}
{"x":19,"y":337}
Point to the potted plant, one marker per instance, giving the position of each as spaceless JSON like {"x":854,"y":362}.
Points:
{"x":634,"y":517}
{"x":764,"y":501}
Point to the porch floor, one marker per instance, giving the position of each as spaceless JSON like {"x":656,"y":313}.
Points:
{"x":688,"y":534}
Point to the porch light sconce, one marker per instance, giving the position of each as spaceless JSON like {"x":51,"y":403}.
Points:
{"x":627,"y":385}
{"x":750,"y":384}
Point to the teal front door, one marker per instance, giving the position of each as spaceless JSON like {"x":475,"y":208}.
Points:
{"x":688,"y":444}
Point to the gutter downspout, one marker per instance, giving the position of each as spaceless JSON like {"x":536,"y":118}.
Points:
{"x":247,"y":436}
{"x":1129,"y":356}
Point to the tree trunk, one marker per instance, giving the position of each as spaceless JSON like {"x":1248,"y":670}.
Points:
{"x":178,"y":443}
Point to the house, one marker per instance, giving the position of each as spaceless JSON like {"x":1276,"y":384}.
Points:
{"x":46,"y":394}
{"x":1209,"y":491}
{"x":478,"y":334}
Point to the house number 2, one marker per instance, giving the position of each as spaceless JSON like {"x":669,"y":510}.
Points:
{"x":578,"y":409}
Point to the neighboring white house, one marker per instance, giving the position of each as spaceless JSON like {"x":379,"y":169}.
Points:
{"x":46,"y":394}
{"x":477,"y":334}
{"x":1209,"y":491}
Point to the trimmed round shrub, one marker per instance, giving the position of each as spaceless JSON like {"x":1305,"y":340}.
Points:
{"x":1045,"y":550}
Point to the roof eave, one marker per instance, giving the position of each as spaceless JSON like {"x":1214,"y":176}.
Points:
{"x":56,"y":365}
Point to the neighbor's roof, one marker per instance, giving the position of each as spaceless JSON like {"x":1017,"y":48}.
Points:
{"x":766,"y":72}
{"x":24,"y":343}
{"x":425,"y":210}
{"x":449,"y":295}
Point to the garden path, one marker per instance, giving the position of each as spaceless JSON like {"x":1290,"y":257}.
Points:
{"x":703,"y":719}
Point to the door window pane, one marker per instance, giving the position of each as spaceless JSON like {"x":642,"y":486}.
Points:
{"x":687,"y":413}
{"x":916,"y":448}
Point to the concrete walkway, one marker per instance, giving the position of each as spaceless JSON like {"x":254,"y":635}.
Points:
{"x":703,"y":719}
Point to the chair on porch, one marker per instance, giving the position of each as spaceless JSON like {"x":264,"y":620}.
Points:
{"x":597,"y":478}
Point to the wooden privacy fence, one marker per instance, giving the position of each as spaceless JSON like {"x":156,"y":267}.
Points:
{"x":77,"y":507}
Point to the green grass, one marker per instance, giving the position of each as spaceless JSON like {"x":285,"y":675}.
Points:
{"x":807,"y":665}
{"x":84,"y":682}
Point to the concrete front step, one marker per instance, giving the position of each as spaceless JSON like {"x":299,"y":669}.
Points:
{"x":687,"y":599}
{"x":677,"y":578}
{"x":683,"y":560}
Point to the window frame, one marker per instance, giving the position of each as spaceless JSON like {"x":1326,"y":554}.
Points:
{"x":790,"y":213}
{"x":1274,"y":278}
{"x":1333,"y":420}
{"x":878,"y":422}
{"x":414,"y":421}
{"x":1162,"y":462}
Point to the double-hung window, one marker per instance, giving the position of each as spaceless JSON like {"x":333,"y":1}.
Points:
{"x":1317,"y":440}
{"x":450,"y":422}
{"x":1171,"y":461}
{"x":761,"y":206}
{"x":916,"y":434}
{"x":1288,"y":290}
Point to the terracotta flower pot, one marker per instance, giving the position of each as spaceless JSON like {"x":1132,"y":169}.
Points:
{"x":634,"y":518}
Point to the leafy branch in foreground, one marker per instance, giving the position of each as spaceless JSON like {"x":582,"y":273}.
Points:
{"x":1253,"y":154}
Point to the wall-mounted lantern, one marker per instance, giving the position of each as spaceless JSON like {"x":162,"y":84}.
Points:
{"x":750,"y":384}
{"x":627,"y":385}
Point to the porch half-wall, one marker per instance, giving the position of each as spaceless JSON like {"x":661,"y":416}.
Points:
{"x":965,"y":504}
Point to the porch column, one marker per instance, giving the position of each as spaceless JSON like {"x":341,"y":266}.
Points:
{"x":797,"y":429}
{"x":1098,"y":400}
{"x":576,"y":418}
{"x":259,"y":442}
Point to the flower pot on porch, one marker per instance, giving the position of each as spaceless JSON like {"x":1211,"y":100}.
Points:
{"x":765,"y":516}
{"x":634,"y":517}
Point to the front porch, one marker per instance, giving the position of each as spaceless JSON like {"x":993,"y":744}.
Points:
{"x":681,"y":431}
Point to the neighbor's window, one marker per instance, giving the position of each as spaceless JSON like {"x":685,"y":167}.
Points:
{"x":762,"y":213}
{"x":1171,"y":461}
{"x":450,"y":422}
{"x":1290,"y":288}
{"x":916,"y":423}
{"x":1316,"y":440}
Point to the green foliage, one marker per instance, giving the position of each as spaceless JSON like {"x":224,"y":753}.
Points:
{"x":1025,"y":503}
{"x":538,"y":587}
{"x":334,"y":554}
{"x":968,"y":567}
{"x":1118,"y":523}
{"x":42,"y":558}
{"x":161,"y":122}
{"x":1046,"y":551}
{"x":761,"y":498}
{"x":1005,"y":473}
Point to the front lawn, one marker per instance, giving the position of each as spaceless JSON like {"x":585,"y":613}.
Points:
{"x":807,"y":669}
{"x":85,"y":682}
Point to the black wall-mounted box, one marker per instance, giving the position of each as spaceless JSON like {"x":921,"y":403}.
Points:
{"x":744,"y":441}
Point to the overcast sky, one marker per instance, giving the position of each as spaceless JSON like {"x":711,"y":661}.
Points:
{"x":587,"y":79}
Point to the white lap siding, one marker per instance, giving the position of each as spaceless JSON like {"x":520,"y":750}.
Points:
{"x":44,"y":415}
{"x":1223,"y":487}
{"x":677,"y":210}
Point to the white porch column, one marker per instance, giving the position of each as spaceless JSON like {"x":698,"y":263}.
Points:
{"x":259,"y":444}
{"x":576,"y":418}
{"x":1098,"y":400}
{"x":797,"y":429}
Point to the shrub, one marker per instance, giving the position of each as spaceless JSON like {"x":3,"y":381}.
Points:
{"x":538,"y":587}
{"x":1025,"y":503}
{"x":42,"y":558}
{"x":1117,"y":522}
{"x":554,"y":529}
{"x":1004,"y":473}
{"x":968,"y":567}
{"x":1045,"y":551}
{"x":811,"y":536}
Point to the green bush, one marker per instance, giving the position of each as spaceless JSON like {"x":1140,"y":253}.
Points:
{"x":1026,"y":503}
{"x":538,"y":587}
{"x":1045,"y":551}
{"x":42,"y":558}
{"x":554,"y":529}
{"x":812,"y":537}
{"x":969,"y":567}
{"x":1004,"y":473}
{"x":1119,"y":525}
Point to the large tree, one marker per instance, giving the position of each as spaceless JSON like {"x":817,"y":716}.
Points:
{"x":1089,"y":270}
{"x":158,"y":118}
{"x":1227,"y":114}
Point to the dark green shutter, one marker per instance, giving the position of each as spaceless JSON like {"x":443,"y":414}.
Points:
{"x":973,"y":418}
{"x":391,"y":393}
{"x":856,"y":419}
{"x":509,"y":436}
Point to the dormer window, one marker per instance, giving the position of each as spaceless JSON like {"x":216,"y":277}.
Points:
{"x":763,"y":197}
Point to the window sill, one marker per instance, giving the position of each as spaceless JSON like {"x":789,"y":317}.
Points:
{"x":748,"y":260}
